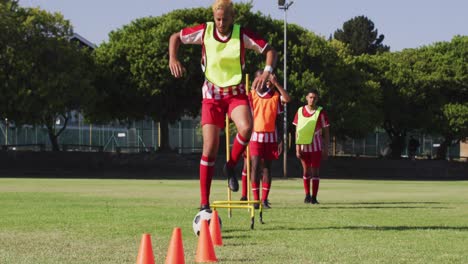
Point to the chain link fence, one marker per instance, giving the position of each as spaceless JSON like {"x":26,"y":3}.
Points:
{"x":184,"y":137}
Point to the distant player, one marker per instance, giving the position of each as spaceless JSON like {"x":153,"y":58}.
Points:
{"x":312,"y":137}
{"x":266,"y":103}
{"x":223,"y":56}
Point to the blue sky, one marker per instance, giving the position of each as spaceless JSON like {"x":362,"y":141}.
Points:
{"x":405,"y":24}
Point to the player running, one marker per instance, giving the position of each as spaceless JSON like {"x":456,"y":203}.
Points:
{"x":223,"y":57}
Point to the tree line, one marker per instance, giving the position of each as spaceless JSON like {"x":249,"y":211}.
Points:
{"x":45,"y":76}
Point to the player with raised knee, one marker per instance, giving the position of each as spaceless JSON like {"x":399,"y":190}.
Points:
{"x":312,"y":137}
{"x":223,"y":57}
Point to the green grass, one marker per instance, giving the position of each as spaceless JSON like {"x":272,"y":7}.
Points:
{"x":101,"y":221}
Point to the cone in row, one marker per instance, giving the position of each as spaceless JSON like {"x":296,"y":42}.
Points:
{"x":145,"y":254}
{"x":175,"y":252}
{"x":215,"y":229}
{"x":205,"y":248}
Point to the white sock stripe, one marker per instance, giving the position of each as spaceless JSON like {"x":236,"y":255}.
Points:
{"x":206,"y":163}
{"x":316,"y":178}
{"x":305,"y":178}
{"x":244,"y":173}
{"x":243,"y":143}
{"x":255,"y":189}
{"x":266,"y":189}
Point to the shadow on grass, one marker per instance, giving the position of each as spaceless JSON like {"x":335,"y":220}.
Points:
{"x":237,"y":260}
{"x":383,"y":207}
{"x":234,"y":236}
{"x":374,"y":228}
{"x":383,"y":203}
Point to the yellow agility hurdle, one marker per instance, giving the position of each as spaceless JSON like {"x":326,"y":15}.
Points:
{"x":230,"y":204}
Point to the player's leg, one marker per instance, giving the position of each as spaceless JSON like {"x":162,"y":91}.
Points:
{"x":266,"y":182}
{"x":315,"y":184}
{"x":244,"y":188}
{"x":239,"y":112}
{"x":315,"y":169}
{"x":255,"y":178}
{"x":212,"y":122}
{"x":306,"y":176}
{"x":207,"y":162}
{"x":270,"y":153}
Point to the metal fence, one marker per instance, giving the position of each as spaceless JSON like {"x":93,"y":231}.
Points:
{"x":184,"y":136}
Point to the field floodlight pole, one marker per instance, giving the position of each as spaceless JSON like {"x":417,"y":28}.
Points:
{"x":6,"y":131}
{"x":284,"y":5}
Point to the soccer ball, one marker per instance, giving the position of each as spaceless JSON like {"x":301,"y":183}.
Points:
{"x":203,"y":215}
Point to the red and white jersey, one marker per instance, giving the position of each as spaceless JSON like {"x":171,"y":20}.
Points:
{"x":261,"y":136}
{"x":264,"y":137}
{"x":322,"y":121}
{"x":249,"y":40}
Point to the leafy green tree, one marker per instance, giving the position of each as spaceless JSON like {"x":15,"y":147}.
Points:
{"x":135,"y":80}
{"x":446,"y":79}
{"x":11,"y":47}
{"x":361,"y":36}
{"x":47,"y":76}
{"x":423,"y":90}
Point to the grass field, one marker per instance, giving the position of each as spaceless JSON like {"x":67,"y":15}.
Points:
{"x":101,"y":221}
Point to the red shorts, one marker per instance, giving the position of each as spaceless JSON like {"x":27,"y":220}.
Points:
{"x":214,"y":111}
{"x":264,"y":150}
{"x":312,"y":159}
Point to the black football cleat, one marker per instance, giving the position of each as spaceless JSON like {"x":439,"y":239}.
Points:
{"x":205,"y":207}
{"x":266,"y":204}
{"x":243,"y":198}
{"x":256,"y":206}
{"x":230,"y":174}
{"x":308,"y":199}
{"x":314,"y":200}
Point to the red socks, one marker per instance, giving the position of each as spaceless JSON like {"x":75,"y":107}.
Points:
{"x":244,"y":183}
{"x":315,"y":185}
{"x":306,"y":184}
{"x":206,"y":175}
{"x":265,"y":190}
{"x":238,"y":148}
{"x":255,"y":190}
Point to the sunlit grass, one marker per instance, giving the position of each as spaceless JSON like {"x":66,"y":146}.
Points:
{"x":101,"y":221}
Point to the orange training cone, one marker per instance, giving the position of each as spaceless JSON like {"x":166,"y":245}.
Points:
{"x":215,"y":229}
{"x":145,"y":254}
{"x":175,"y":252}
{"x":205,"y":249}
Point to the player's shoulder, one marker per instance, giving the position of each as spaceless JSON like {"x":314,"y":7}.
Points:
{"x":193,"y":29}
{"x":323,"y":111}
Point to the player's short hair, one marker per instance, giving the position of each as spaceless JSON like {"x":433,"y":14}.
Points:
{"x":314,"y":91}
{"x":225,"y":5}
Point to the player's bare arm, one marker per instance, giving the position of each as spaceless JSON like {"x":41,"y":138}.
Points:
{"x":326,"y":140}
{"x":270,"y":62}
{"x":177,"y":69}
{"x":298,"y":151}
{"x":285,"y":98}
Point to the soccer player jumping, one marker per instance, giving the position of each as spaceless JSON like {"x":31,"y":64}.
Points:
{"x":223,"y":57}
{"x":312,"y":137}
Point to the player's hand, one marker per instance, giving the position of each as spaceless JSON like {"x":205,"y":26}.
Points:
{"x":280,"y":147}
{"x":325,"y":154}
{"x":261,"y":80}
{"x":273,"y":79}
{"x":177,"y":69}
{"x":299,"y":154}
